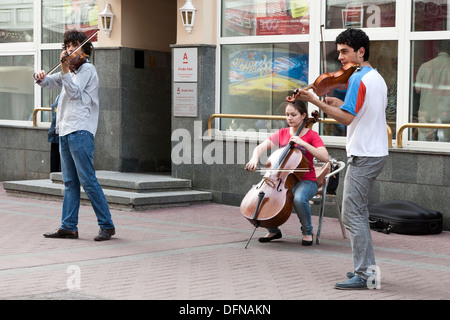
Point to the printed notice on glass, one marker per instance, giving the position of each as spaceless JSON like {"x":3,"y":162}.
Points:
{"x":185,"y":100}
{"x":185,"y":64}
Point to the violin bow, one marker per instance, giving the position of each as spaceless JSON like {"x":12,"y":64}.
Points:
{"x":324,"y":56}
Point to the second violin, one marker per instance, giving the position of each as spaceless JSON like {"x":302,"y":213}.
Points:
{"x":76,"y":57}
{"x":329,"y":81}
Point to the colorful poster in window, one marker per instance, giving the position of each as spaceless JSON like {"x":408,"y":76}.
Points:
{"x":268,"y":17}
{"x":82,"y":15}
{"x":281,"y":25}
{"x":299,"y":8}
{"x":252,"y":71}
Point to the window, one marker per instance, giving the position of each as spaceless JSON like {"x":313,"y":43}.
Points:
{"x":61,"y":15}
{"x":16,"y":87}
{"x":49,"y":59}
{"x":360,"y":14}
{"x":430,"y":88}
{"x":430,"y":15}
{"x":256,"y":78}
{"x":16,"y":21}
{"x":264,"y":17}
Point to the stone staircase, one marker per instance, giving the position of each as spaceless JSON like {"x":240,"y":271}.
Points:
{"x":124,"y":191}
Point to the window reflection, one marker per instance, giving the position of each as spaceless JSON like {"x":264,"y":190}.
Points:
{"x":61,"y":15}
{"x":264,"y":17}
{"x":360,"y":14}
{"x":16,"y":87}
{"x":16,"y":21}
{"x":257,"y":78}
{"x":430,"y":15}
{"x":431,"y":88}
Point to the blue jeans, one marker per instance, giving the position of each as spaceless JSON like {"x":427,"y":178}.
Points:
{"x":77,"y":166}
{"x":303,"y":191}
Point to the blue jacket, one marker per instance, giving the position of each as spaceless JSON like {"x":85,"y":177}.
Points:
{"x":53,"y":137}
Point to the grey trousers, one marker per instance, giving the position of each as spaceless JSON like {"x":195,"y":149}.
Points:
{"x":360,"y":176}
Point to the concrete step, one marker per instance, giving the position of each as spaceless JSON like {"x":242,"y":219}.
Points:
{"x":125,"y":191}
{"x":134,"y":182}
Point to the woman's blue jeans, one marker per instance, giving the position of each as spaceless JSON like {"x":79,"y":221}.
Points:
{"x":303,"y":191}
{"x":77,"y":166}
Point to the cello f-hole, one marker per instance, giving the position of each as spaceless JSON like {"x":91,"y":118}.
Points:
{"x":260,"y":185}
{"x":269,"y":182}
{"x":279,"y":184}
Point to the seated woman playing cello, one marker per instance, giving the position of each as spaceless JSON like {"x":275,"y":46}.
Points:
{"x":311,"y":145}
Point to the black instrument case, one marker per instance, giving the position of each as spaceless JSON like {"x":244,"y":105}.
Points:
{"x":404,"y":217}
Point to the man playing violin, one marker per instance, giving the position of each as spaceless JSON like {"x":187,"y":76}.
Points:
{"x":363,"y":112}
{"x":76,"y":125}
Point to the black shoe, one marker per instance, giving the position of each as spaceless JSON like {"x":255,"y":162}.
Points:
{"x":268,"y":239}
{"x":105,"y":234}
{"x":354,"y":283}
{"x":61,"y":233}
{"x":308,"y":242}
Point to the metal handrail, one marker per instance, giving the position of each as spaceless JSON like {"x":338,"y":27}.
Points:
{"x":35,"y":114}
{"x":417,"y":125}
{"x":268,"y":117}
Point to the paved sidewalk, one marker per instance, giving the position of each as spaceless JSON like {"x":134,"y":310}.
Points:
{"x":197,"y":253}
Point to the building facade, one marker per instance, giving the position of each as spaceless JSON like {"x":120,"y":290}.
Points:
{"x":160,"y":84}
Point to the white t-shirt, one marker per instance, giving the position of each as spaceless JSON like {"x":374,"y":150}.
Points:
{"x":366,"y":99}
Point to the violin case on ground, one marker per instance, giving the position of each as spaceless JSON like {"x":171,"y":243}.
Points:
{"x":404,"y":217}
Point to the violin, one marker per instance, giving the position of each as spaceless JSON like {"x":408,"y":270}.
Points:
{"x":327,"y":82}
{"x":76,"y":60}
{"x":269,"y":203}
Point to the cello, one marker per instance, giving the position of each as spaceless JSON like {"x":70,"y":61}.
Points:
{"x":269,"y":203}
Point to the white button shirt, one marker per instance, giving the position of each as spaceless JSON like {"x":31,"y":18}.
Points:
{"x":78,"y":105}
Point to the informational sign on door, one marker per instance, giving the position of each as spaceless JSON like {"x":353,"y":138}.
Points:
{"x":185,"y":64}
{"x":185,"y":99}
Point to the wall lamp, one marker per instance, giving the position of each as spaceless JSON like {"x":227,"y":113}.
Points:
{"x":107,"y":17}
{"x":188,"y":15}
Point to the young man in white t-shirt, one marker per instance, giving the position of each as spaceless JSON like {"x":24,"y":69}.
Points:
{"x":363,"y":112}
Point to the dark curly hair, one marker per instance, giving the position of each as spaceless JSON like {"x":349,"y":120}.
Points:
{"x":355,"y":39}
{"x":76,"y":37}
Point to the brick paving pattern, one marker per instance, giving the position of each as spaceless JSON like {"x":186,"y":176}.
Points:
{"x":197,"y":253}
